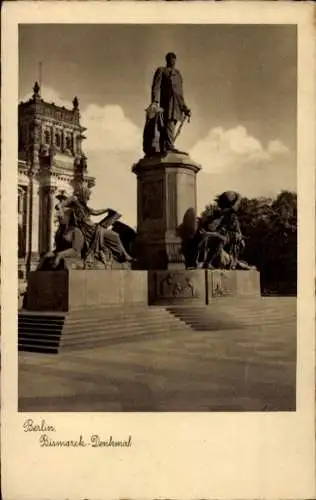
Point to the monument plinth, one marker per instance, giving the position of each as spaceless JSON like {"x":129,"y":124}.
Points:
{"x":69,"y":290}
{"x":166,"y":196}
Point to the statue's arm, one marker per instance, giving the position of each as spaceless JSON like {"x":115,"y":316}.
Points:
{"x":74,"y":251}
{"x":155,"y":89}
{"x":214,"y":234}
{"x":98,"y":212}
{"x":185,"y":108}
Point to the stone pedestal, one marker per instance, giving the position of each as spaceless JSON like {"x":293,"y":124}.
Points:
{"x":166,"y":198}
{"x":82,"y":289}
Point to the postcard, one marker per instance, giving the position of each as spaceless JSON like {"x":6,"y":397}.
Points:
{"x":158,"y":250}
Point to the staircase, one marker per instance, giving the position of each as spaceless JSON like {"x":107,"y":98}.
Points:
{"x":233,"y":313}
{"x":83,"y":329}
{"x":56,"y":332}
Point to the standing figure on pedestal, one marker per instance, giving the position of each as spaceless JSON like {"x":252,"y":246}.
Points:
{"x":166,"y":110}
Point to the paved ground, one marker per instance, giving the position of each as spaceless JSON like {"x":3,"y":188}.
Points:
{"x":250,"y":369}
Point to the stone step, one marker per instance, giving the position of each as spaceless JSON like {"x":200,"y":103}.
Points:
{"x":37,"y":349}
{"x":228,"y":318}
{"x":122,"y":337}
{"x":73,"y":317}
{"x":113,"y":340}
{"x":85,"y":341}
{"x":104,"y":330}
{"x":232,"y":314}
{"x":141,"y":329}
{"x":95,"y":322}
{"x":39,"y":341}
{"x":47,"y":329}
{"x":227,"y":314}
{"x":25,"y":320}
{"x":89,"y":331}
{"x":33,"y":335}
{"x":105,"y":309}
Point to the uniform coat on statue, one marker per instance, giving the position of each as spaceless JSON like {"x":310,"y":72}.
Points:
{"x":167,"y":90}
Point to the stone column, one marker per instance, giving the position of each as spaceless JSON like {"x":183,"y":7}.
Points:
{"x":22,"y":221}
{"x":63,"y":140}
{"x":51,"y":191}
{"x":31,"y":219}
{"x":36,"y":221}
{"x":47,"y":207}
{"x":166,"y":200}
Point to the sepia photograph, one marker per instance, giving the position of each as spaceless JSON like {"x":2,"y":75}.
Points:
{"x":157,"y":250}
{"x":157,"y":217}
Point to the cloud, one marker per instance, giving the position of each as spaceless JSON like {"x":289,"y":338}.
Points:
{"x":228,"y":150}
{"x":277,"y":147}
{"x":234,"y":160}
{"x":110,"y":130}
{"x":113,"y":145}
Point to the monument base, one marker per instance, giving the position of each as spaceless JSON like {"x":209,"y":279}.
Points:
{"x":70,"y":310}
{"x":67,"y":290}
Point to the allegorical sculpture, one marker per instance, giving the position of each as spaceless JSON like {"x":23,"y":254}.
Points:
{"x":167,"y":108}
{"x":217,"y":241}
{"x":78,"y":237}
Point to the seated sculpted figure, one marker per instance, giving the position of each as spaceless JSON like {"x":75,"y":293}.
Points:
{"x":78,"y":236}
{"x":218,"y":239}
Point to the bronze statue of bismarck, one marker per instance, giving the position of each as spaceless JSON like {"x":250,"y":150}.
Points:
{"x":167,"y":108}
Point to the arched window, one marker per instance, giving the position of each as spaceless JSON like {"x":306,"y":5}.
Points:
{"x":69,"y":142}
{"x":47,"y":137}
{"x":57,"y":140}
{"x":78,"y":144}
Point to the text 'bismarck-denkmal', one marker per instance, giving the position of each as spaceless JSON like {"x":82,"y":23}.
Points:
{"x":94,"y":440}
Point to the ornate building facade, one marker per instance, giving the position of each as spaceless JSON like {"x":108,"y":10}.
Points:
{"x":50,"y":162}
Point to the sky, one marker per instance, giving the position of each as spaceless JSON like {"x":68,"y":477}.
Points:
{"x":239,"y":81}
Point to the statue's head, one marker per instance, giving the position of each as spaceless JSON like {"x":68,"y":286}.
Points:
{"x":171,"y":59}
{"x":227,"y":199}
{"x":59,"y":211}
{"x":60,"y":214}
